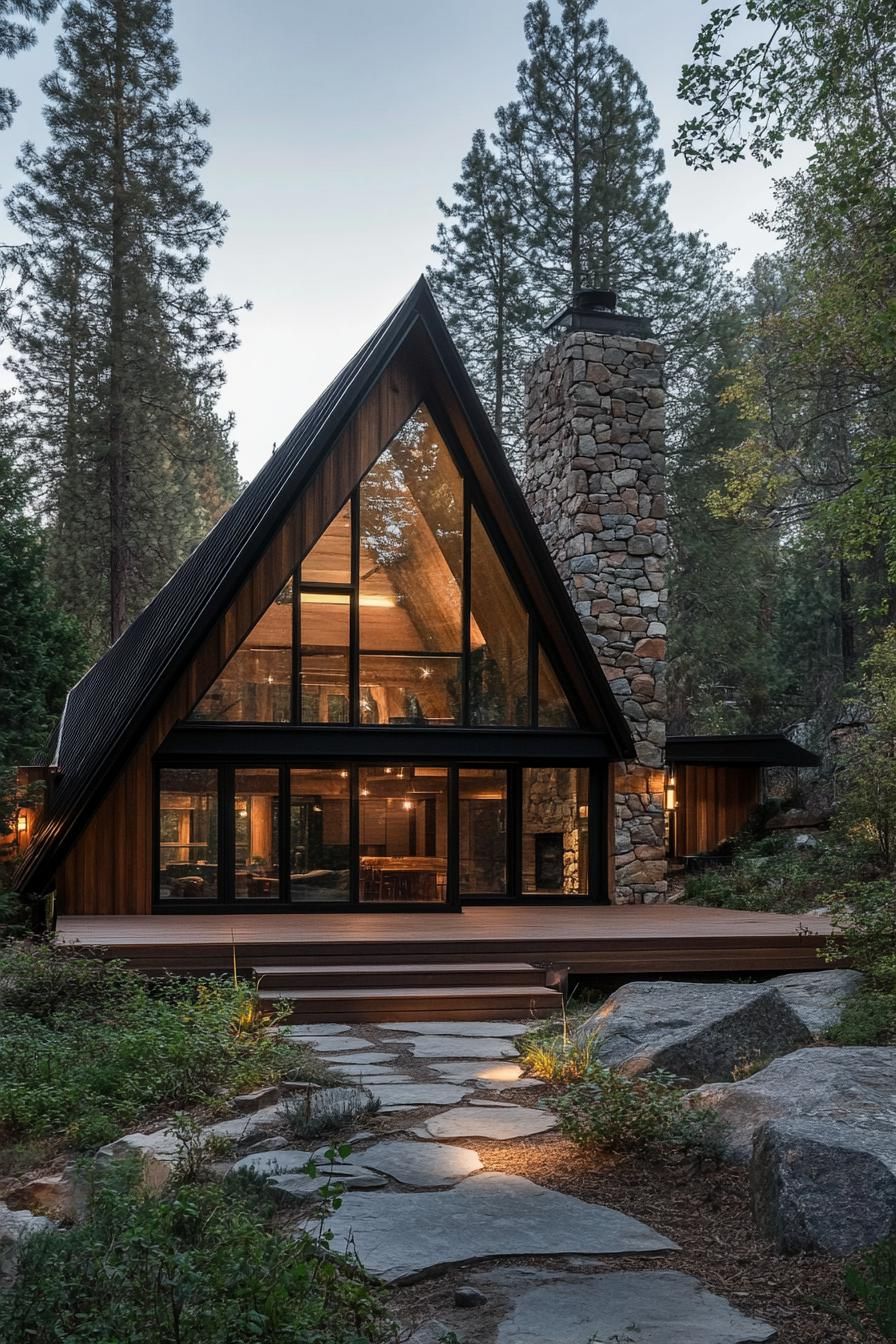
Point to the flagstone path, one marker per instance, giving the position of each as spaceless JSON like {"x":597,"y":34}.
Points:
{"x":417,"y":1201}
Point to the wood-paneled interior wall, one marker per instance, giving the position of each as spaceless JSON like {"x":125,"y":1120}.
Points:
{"x":109,"y":870}
{"x":714,"y":802}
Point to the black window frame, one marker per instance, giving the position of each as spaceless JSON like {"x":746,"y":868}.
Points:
{"x":226,"y":902}
{"x":473,"y":500}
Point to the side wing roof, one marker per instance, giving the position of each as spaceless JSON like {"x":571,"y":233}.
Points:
{"x":108,"y":709}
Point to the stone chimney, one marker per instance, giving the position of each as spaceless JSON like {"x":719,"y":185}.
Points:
{"x":594,"y":478}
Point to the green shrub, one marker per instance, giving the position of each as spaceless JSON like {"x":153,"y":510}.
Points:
{"x":771,"y":874}
{"x":865,"y":936}
{"x":303,"y":1119}
{"x":200,"y":1264}
{"x":556,"y":1059}
{"x":873,"y":1282}
{"x":609,"y":1110}
{"x":114,"y":1047}
{"x":41,"y":979}
{"x":15,"y":914}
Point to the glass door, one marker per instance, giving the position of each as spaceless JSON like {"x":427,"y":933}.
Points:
{"x":402,"y":835}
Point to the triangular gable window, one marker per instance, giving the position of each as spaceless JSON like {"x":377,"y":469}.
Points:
{"x":402,"y":612}
{"x":256,"y":684}
{"x":499,"y":638}
{"x":553,"y":705}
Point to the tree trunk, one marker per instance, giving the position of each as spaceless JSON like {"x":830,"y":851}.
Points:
{"x":575,"y":250}
{"x":118,"y":466}
{"x":847,"y":624}
{"x":501,"y":301}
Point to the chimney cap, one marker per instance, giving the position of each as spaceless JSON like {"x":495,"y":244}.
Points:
{"x":595,"y":310}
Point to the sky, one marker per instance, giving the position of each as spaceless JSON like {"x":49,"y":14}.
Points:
{"x":335,"y":126}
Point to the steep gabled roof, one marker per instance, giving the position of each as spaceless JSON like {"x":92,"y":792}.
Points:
{"x":109,"y":708}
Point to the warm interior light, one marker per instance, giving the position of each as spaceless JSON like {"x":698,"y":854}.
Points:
{"x":343,"y":599}
{"x":407,"y":804}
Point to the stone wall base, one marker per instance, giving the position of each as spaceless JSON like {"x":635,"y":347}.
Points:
{"x":640,"y":842}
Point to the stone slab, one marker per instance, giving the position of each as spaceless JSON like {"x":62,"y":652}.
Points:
{"x":15,"y":1226}
{"x":641,"y":1306}
{"x":421,"y":1164}
{"x":436,"y":1332}
{"x":349,"y":1175}
{"x":393,"y":1095}
{"x":460,"y":1047}
{"x":404,"y":1236}
{"x":242,"y":1126}
{"x":333,"y":1044}
{"x":460,"y":1028}
{"x":303,"y":1029}
{"x":498,"y":1075}
{"x":363,"y":1076}
{"x":484,"y":1122}
{"x":266,"y":1164}
{"x":374,"y":1057}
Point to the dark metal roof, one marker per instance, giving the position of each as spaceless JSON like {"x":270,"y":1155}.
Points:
{"x":108,"y":709}
{"x":737,"y":749}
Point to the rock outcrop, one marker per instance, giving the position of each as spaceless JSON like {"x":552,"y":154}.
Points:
{"x":817,"y":997}
{"x":853,"y":1086}
{"x":698,"y":1032}
{"x":819,"y":1185}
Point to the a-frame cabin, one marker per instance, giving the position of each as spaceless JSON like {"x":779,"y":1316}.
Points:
{"x":367,"y":689}
{"x":365,"y":700}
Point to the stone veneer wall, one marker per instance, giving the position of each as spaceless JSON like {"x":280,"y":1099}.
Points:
{"x":594,"y":479}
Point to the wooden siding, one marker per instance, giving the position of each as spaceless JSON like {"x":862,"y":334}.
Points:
{"x":109,"y":869}
{"x":714,"y":801}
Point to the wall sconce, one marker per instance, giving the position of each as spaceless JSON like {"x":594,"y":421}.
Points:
{"x":21,"y":823}
{"x":670,"y":796}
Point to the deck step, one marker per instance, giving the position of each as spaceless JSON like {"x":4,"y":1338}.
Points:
{"x":390,"y":1002}
{"x":396,"y":975}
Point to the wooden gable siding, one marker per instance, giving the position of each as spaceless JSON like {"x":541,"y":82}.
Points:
{"x":109,"y":869}
{"x":714,"y":802}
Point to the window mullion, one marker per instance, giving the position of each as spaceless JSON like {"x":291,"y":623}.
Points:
{"x":354,"y":638}
{"x":466,"y":589}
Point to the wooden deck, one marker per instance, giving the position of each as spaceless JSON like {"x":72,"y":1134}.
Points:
{"x":585,"y":940}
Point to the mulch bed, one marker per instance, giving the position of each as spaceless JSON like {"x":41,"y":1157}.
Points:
{"x":705,"y":1210}
{"x":707,"y":1213}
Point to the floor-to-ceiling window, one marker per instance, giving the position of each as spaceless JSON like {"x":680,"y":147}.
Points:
{"x":403,"y":834}
{"x":405,"y":613}
{"x":188,"y":835}
{"x":319,"y":835}
{"x":389,"y":834}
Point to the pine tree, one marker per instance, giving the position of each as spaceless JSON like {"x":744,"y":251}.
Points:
{"x":575,"y":176}
{"x":16,"y":36}
{"x":482,"y":281}
{"x":41,"y":650}
{"x":117,"y":339}
{"x":587,"y":171}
